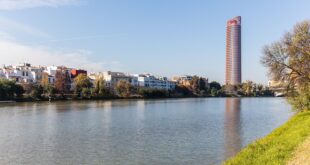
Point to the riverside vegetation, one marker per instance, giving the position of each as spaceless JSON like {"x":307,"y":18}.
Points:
{"x":288,"y":61}
{"x":85,"y":89}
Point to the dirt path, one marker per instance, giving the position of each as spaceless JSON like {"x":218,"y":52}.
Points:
{"x":302,"y":154}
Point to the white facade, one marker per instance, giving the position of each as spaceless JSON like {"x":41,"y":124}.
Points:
{"x":112,"y":78}
{"x":25,"y":73}
{"x":20,"y":73}
{"x":51,"y":70}
{"x":150,"y":81}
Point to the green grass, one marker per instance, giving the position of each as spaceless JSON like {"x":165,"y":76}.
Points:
{"x":278,"y":147}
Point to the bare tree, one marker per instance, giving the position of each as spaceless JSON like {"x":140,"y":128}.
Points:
{"x":288,"y":61}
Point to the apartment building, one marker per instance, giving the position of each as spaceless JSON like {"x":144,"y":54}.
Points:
{"x":150,"y":81}
{"x":22,"y":73}
{"x":112,"y":78}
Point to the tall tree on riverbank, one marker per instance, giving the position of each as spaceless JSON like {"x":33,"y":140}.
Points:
{"x":48,"y":88}
{"x":288,"y":61}
{"x":44,"y":81}
{"x":247,"y":88}
{"x":124,"y":88}
{"x":198,"y":85}
{"x":82,"y":85}
{"x":62,"y":81}
{"x":100,"y":90}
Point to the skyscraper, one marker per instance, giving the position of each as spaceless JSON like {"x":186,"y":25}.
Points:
{"x":233,"y":51}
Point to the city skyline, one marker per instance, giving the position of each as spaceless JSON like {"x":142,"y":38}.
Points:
{"x":165,"y":38}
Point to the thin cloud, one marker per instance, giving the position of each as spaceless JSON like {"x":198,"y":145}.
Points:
{"x":11,"y":25}
{"x":14,"y":53}
{"x":76,"y":38}
{"x":24,"y":4}
{"x":6,"y":36}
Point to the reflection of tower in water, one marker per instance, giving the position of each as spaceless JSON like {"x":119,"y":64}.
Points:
{"x":232,"y":127}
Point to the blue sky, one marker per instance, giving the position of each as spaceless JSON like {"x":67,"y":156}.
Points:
{"x":163,"y":37}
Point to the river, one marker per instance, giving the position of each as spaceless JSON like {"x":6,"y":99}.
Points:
{"x":163,"y":131}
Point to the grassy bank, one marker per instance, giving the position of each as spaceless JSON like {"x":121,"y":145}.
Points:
{"x":279,"y":146}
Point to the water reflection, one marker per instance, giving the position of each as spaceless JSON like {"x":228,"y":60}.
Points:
{"x":232,"y":126}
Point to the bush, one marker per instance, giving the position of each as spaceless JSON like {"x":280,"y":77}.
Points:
{"x":301,"y":99}
{"x":36,"y":92}
{"x":10,"y":90}
{"x":124,"y":88}
{"x":152,"y":93}
{"x":86,"y":93}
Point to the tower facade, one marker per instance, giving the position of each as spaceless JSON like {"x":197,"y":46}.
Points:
{"x":233,"y":51}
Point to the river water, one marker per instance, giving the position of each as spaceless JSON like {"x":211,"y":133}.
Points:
{"x":166,"y":131}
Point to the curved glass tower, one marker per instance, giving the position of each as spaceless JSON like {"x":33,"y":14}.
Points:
{"x":233,"y":51}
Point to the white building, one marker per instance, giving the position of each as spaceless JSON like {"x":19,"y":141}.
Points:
{"x":51,"y":70}
{"x":150,"y":81}
{"x":21,"y":73}
{"x":112,"y":78}
{"x":37,"y":73}
{"x":25,"y":73}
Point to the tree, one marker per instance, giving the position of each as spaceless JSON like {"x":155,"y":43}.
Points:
{"x":288,"y":61}
{"x":198,"y":85}
{"x":247,"y":88}
{"x":100,"y":89}
{"x":214,"y":88}
{"x":86,"y":93}
{"x":28,"y":88}
{"x":36,"y":92}
{"x":60,"y":82}
{"x":215,"y":85}
{"x":50,"y":91}
{"x":80,"y":82}
{"x":19,"y":90}
{"x":260,"y":89}
{"x":229,"y":89}
{"x":10,"y":90}
{"x":214,"y":91}
{"x":152,"y":93}
{"x":124,"y":88}
{"x":44,"y":81}
{"x":182,"y":90}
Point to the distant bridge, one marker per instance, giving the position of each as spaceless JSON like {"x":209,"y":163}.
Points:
{"x":278,"y":91}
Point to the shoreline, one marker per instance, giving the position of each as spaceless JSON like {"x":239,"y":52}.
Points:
{"x":120,"y":98}
{"x":279,"y":146}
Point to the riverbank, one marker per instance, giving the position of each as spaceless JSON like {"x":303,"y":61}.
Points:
{"x":279,"y":147}
{"x":29,"y":99}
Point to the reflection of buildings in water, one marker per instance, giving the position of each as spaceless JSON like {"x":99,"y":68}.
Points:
{"x":104,"y":105}
{"x":61,"y":106}
{"x":232,"y":127}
